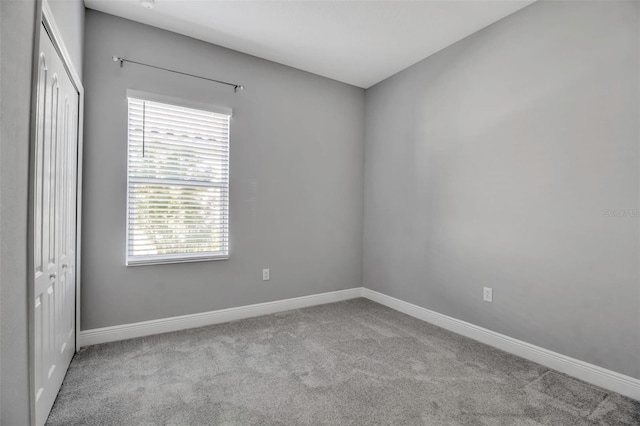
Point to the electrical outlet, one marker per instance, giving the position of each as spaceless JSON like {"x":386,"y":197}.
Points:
{"x":487,"y":294}
{"x":265,"y":275}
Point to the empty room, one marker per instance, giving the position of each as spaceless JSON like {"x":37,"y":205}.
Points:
{"x":301,"y":212}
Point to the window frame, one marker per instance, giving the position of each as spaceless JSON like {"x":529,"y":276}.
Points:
{"x":161,"y":259}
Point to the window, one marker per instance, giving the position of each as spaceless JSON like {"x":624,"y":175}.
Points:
{"x":178,"y":182}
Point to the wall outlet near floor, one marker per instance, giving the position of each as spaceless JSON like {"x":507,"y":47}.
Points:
{"x":487,"y":294}
{"x":265,"y":275}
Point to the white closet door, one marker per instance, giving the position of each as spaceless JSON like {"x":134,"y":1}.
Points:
{"x":55,"y":225}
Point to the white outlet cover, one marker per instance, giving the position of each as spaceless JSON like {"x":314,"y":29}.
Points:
{"x":487,"y":294}
{"x":265,"y":275}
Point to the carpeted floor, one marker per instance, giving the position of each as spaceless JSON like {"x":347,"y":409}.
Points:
{"x":347,"y":363}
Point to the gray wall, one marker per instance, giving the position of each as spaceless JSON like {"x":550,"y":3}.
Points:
{"x":69,"y":16}
{"x":491,"y":164}
{"x":296,"y":191}
{"x":17,"y":30}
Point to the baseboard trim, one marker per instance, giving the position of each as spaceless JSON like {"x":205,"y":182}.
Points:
{"x":183,"y":322}
{"x":590,"y":373}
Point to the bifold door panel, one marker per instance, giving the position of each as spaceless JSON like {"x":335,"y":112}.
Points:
{"x":55,"y":182}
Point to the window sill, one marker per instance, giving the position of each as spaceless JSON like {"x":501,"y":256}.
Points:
{"x":171,"y":260}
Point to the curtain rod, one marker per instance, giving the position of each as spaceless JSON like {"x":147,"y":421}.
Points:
{"x":123,"y":60}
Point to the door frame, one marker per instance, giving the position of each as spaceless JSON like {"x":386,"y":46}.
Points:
{"x":47,"y":20}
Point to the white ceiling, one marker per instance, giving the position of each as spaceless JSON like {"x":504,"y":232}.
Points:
{"x":356,"y":42}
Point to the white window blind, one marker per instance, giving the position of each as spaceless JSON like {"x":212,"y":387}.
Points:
{"x":178,"y":184}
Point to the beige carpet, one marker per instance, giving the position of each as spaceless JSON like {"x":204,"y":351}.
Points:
{"x":347,"y":363}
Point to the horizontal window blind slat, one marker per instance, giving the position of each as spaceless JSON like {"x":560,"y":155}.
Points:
{"x":177,"y":208}
{"x":141,"y":233}
{"x":176,"y":188}
{"x":176,"y":239}
{"x":170,"y":247}
{"x":180,"y":174}
{"x":169,"y":250}
{"x":159,"y":174}
{"x":161,"y":206}
{"x":179,"y":167}
{"x":138,"y":240}
{"x":210,"y":140}
{"x":144,"y":225}
{"x":163,"y":121}
{"x":174,"y":248}
{"x":176,"y":219}
{"x":178,"y":108}
{"x":135,"y":156}
{"x":178,"y":119}
{"x":176,"y":223}
{"x":185,"y":202}
{"x":150,"y":127}
{"x":195,"y":204}
{"x":159,"y":202}
{"x":207,"y":142}
{"x":141,"y":258}
{"x":158,"y":207}
{"x":153,"y":126}
{"x":173,"y":206}
{"x":174,"y":166}
{"x":155,"y":119}
{"x":170,"y":153}
{"x":160,"y":139}
{"x":203,"y":234}
{"x":174,"y":185}
{"x":149,"y":256}
{"x":156,"y":245}
{"x":180,"y":147}
{"x":174,"y":109}
{"x":170,"y":121}
{"x":152,"y":132}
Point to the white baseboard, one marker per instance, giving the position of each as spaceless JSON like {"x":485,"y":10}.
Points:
{"x":590,"y":373}
{"x":183,"y":322}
